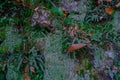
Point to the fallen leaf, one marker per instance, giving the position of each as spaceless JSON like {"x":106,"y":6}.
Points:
{"x":109,"y":10}
{"x":101,"y":18}
{"x":90,"y":34}
{"x":118,"y":5}
{"x":66,"y":12}
{"x":36,"y":8}
{"x":73,"y":30}
{"x":4,"y":66}
{"x":74,"y":47}
{"x":26,"y":68}
{"x":32,"y":69}
{"x":76,"y":28}
{"x":70,"y":31}
{"x":26,"y":76}
{"x":81,"y":37}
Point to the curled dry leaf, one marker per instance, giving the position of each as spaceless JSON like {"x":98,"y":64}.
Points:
{"x":26,"y":76}
{"x":109,"y":10}
{"x":74,"y":47}
{"x":32,"y":69}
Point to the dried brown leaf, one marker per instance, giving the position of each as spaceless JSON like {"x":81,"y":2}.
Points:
{"x":109,"y":10}
{"x":26,"y":76}
{"x":32,"y":69}
{"x":66,"y":12}
{"x":74,"y":47}
{"x":4,"y":66}
{"x":118,"y":5}
{"x":90,"y":34}
{"x":101,"y":18}
{"x":36,"y":8}
{"x":26,"y":68}
{"x":73,"y":31}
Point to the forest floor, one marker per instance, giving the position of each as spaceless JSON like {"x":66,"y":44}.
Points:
{"x":60,"y":40}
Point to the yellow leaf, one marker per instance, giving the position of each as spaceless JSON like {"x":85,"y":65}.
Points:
{"x":66,"y":12}
{"x":109,"y":10}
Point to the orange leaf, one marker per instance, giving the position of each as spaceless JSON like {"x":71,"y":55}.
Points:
{"x":109,"y":10}
{"x":32,"y":69}
{"x":26,"y":76}
{"x":74,"y":47}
